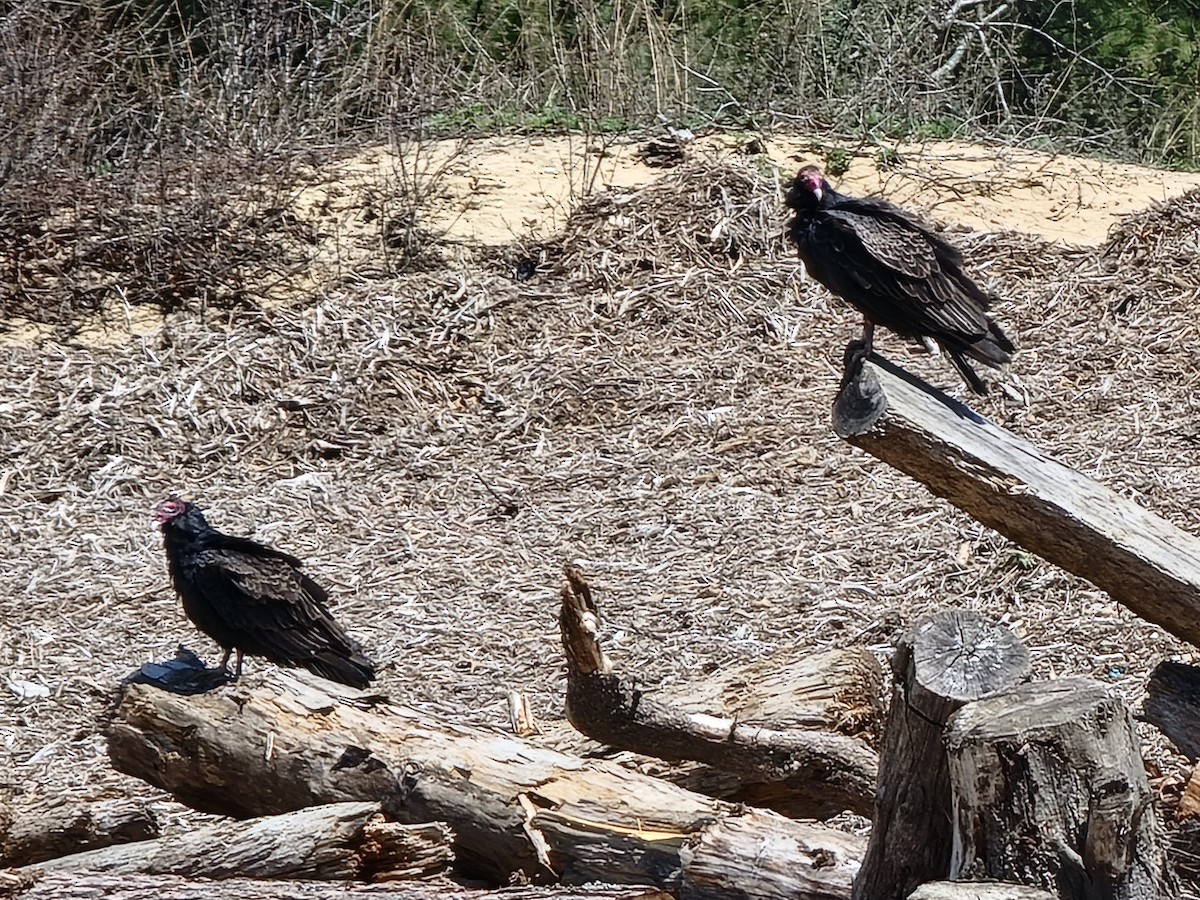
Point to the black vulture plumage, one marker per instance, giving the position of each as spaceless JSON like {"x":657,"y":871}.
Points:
{"x":255,"y":600}
{"x":896,"y":272}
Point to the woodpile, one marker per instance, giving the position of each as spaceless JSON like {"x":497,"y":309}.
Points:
{"x":980,"y":785}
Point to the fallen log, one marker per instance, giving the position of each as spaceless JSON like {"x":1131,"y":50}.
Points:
{"x":977,"y":890}
{"x":283,"y":741}
{"x":941,"y":663}
{"x":1050,"y":791}
{"x":1139,"y":558}
{"x":95,"y":886}
{"x":1172,"y":705}
{"x":821,"y":774}
{"x":32,"y":830}
{"x":335,"y":842}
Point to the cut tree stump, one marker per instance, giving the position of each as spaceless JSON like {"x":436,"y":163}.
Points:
{"x":338,"y":841}
{"x":1172,"y":705}
{"x":941,"y":663}
{"x":821,"y":774}
{"x":45,"y":827}
{"x":283,"y":741}
{"x":1139,"y":558}
{"x":976,"y":890}
{"x":95,"y":886}
{"x":1050,"y":791}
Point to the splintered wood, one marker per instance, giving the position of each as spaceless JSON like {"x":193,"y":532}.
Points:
{"x":811,"y":773}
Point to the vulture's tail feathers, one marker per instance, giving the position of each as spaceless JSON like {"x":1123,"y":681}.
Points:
{"x":977,"y":384}
{"x":356,"y":670}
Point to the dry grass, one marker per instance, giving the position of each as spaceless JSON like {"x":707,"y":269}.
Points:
{"x":653,"y":406}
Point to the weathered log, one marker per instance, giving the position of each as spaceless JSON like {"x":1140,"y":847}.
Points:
{"x":338,"y":841}
{"x":1172,"y":705}
{"x":282,"y":741}
{"x":942,"y":662}
{"x":45,"y":827}
{"x":838,"y":691}
{"x":95,"y":886}
{"x":822,"y":774}
{"x":1139,"y":558}
{"x":978,"y":890}
{"x":1050,"y":791}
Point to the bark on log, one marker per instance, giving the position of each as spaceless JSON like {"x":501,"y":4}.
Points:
{"x":1140,"y":559}
{"x":46,"y":827}
{"x":335,"y":842}
{"x":976,"y":890}
{"x":94,"y":886}
{"x":1050,"y":791}
{"x":822,"y":774}
{"x":1172,"y":705}
{"x":942,"y":662}
{"x":282,"y":741}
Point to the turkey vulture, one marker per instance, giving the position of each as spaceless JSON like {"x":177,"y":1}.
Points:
{"x":252,"y":599}
{"x":896,"y":272}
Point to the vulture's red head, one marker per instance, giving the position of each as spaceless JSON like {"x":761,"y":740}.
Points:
{"x":808,"y":189}
{"x":169,"y":510}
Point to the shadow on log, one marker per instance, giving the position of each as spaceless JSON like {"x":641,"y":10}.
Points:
{"x":1050,"y":791}
{"x":941,"y":663}
{"x":336,"y":842}
{"x":1005,"y":482}
{"x":47,"y":827}
{"x":1172,"y":705}
{"x":819,"y":774}
{"x":285,"y":741}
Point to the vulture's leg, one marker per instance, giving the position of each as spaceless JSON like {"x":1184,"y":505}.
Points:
{"x":857,"y":351}
{"x":868,"y":338}
{"x":225,"y":659}
{"x":237,"y":671}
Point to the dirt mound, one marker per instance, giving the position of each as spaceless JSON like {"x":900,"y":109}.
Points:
{"x":1158,"y":252}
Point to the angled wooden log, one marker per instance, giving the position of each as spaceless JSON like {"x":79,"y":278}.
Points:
{"x":1139,"y":558}
{"x":1050,"y":791}
{"x":46,"y":827}
{"x":95,"y":885}
{"x":821,"y":774}
{"x":282,"y":741}
{"x":941,"y":663}
{"x":338,"y":841}
{"x":1172,"y":705}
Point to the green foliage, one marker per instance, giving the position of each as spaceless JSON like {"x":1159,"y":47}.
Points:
{"x":1128,"y":69}
{"x":130,"y":76}
{"x":838,"y":161}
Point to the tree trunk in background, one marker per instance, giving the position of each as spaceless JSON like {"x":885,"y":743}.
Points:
{"x":941,"y":663}
{"x":94,"y":886}
{"x":1050,"y":791}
